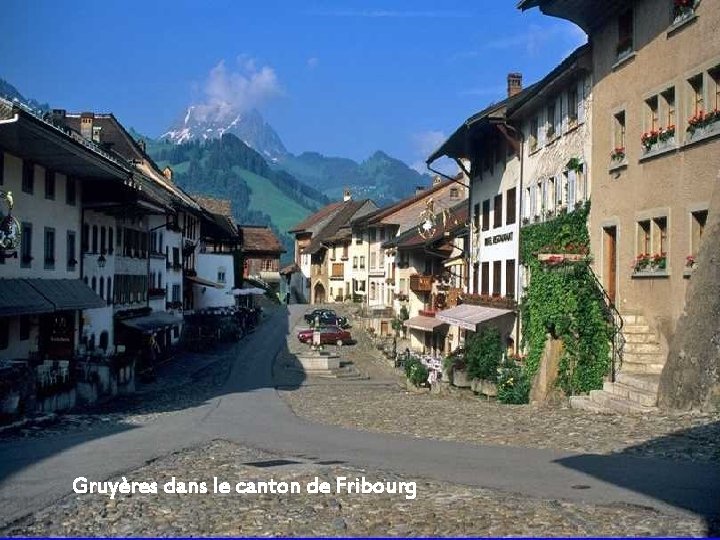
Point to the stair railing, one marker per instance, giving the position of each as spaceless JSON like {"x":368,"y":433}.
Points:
{"x":612,"y":315}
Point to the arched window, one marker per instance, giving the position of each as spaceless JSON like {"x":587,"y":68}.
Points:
{"x":86,"y":238}
{"x":110,"y":240}
{"x":104,"y":340}
{"x":94,"y":239}
{"x":103,"y":247}
{"x":101,"y":292}
{"x":94,"y":284}
{"x":110,"y":295}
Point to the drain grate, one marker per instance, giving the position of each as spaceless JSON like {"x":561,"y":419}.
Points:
{"x":331,"y":462}
{"x":580,"y":486}
{"x":271,"y":463}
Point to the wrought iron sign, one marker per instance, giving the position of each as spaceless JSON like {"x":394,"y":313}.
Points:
{"x":9,"y":229}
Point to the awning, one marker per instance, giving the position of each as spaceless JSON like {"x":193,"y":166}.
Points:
{"x":17,"y":297}
{"x":246,"y":292}
{"x":152,"y":322}
{"x":204,"y":282}
{"x":468,"y":317}
{"x":67,"y":294}
{"x":426,"y":324}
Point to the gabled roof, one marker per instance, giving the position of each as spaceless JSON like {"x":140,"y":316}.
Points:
{"x":216,"y":206}
{"x":382,"y":213}
{"x":313,"y":220}
{"x":341,"y":219}
{"x":259,"y":239}
{"x":412,"y":239}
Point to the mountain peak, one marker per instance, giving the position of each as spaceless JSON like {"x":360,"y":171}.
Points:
{"x":203,"y":122}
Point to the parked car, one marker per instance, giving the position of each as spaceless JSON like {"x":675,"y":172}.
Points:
{"x":310,"y":316}
{"x":328,"y":334}
{"x":327,"y":318}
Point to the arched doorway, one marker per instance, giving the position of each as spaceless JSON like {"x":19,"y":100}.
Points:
{"x":319,"y":294}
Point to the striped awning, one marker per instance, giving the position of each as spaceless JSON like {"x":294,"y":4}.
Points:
{"x":468,"y":316}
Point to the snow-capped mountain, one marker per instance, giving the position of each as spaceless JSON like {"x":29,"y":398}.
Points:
{"x":201,"y":123}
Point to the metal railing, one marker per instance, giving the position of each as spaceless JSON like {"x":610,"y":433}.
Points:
{"x":612,"y":315}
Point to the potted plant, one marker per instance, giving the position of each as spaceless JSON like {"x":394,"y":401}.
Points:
{"x":618,"y":154}
{"x":682,"y":10}
{"x":690,"y":261}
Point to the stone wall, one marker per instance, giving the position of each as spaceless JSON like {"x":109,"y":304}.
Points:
{"x":691,"y":377}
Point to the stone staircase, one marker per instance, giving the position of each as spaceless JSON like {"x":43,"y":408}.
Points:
{"x":636,"y":384}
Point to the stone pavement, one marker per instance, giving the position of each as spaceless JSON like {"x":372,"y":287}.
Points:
{"x":439,"y":509}
{"x":462,"y":416}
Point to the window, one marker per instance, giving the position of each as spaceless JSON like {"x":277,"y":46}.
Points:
{"x":485,"y":279}
{"x":652,"y":119}
{"x":697,"y":228}
{"x":110,"y":292}
{"x":697,"y":91}
{"x":475,"y":278}
{"x":373,"y":289}
{"x":382,"y":233}
{"x":550,"y":121}
{"x":573,"y":104}
{"x":333,"y":254}
{"x":176,"y":293}
{"x":486,"y":215}
{"x":49,"y":184}
{"x":24,"y":328}
{"x":221,"y":275}
{"x":510,"y":209}
{"x":94,"y":239}
{"x":373,"y":261}
{"x":362,"y":261}
{"x":94,"y":284}
{"x":103,"y":232}
{"x":49,"y":248}
{"x":358,"y":240}
{"x":355,"y":262}
{"x":619,"y":129}
{"x":714,"y":94}
{"x":534,"y":135}
{"x":26,"y":245}
{"x":659,"y":233}
{"x":28,"y":177}
{"x":497,"y":210}
{"x":371,"y":235}
{"x":70,"y":191}
{"x":510,"y":278}
{"x":571,"y":180}
{"x":70,"y":251}
{"x":101,"y":292}
{"x":643,"y":238}
{"x":338,"y":270}
{"x":345,"y":251}
{"x":476,"y":216}
{"x":625,"y":34}
{"x":668,"y":104}
{"x":110,"y":240}
{"x":454,"y":193}
{"x":497,"y":278}
{"x":4,"y":333}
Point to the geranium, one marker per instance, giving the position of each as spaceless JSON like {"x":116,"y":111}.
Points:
{"x":649,"y":138}
{"x":667,"y":133}
{"x":690,"y":261}
{"x":641,"y":262}
{"x":618,"y":154}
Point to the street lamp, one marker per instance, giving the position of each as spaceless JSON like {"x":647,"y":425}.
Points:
{"x":101,"y":260}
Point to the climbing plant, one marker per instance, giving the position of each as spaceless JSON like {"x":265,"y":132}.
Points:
{"x":563,"y":300}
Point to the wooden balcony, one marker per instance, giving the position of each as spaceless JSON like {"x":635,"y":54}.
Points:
{"x":421,"y":283}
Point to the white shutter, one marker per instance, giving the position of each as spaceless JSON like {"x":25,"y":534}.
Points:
{"x":533,"y":200}
{"x":565,"y":108}
{"x":572,"y":176}
{"x":542,"y":128}
{"x":558,"y":116}
{"x":581,"y":101}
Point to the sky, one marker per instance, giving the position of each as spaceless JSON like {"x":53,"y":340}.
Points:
{"x":339,"y":78}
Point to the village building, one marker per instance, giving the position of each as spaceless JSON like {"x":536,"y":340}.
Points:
{"x":261,"y":253}
{"x":655,"y":159}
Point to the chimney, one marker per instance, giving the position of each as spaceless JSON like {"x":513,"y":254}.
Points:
{"x":436,"y":180}
{"x":86,"y":124}
{"x":347,"y":195}
{"x":419,"y":190}
{"x":168,"y":173}
{"x":514,"y":84}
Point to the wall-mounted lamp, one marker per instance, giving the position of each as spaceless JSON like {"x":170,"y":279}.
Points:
{"x":101,"y":260}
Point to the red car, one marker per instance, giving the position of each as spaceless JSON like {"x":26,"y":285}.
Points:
{"x":328,"y":334}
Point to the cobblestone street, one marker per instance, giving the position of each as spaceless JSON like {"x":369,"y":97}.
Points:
{"x":440,"y":509}
{"x":462,"y":416}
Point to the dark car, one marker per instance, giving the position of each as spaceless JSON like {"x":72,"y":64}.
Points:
{"x":310,"y":316}
{"x":328,"y":334}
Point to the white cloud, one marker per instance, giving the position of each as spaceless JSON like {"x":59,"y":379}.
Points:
{"x":532,"y":42}
{"x":227,"y":92}
{"x":425,"y":143}
{"x":313,"y":62}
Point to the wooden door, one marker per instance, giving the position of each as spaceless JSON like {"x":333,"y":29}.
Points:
{"x":610,"y":270}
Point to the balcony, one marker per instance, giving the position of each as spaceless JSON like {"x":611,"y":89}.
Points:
{"x":421,"y":283}
{"x":156,"y":293}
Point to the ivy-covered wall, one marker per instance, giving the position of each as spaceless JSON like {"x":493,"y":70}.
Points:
{"x":564,"y":300}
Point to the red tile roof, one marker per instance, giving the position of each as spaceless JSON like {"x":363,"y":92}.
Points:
{"x":258,"y":239}
{"x":313,"y":219}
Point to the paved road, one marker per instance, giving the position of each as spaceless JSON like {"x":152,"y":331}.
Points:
{"x":248,"y":411}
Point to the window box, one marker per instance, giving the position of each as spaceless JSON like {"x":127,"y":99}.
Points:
{"x":703,"y":125}
{"x":617,"y":156}
{"x":646,"y":264}
{"x":658,"y":141}
{"x":683,"y":10}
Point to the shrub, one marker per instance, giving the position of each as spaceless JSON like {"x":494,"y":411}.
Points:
{"x":416,"y":373}
{"x":513,"y":384}
{"x":484,"y":354}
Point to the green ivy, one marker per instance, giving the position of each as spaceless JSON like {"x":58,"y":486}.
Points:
{"x":484,"y":352}
{"x":565,"y":302}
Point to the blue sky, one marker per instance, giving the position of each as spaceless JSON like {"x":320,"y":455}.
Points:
{"x":340,"y":78}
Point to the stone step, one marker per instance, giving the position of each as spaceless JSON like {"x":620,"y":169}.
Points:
{"x":641,"y":368}
{"x":640,"y":338}
{"x":643,"y":358}
{"x":631,"y":393}
{"x":637,"y":329}
{"x":618,"y":404}
{"x":633,"y":318}
{"x":648,"y":383}
{"x":642,"y":348}
{"x":584,"y":403}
